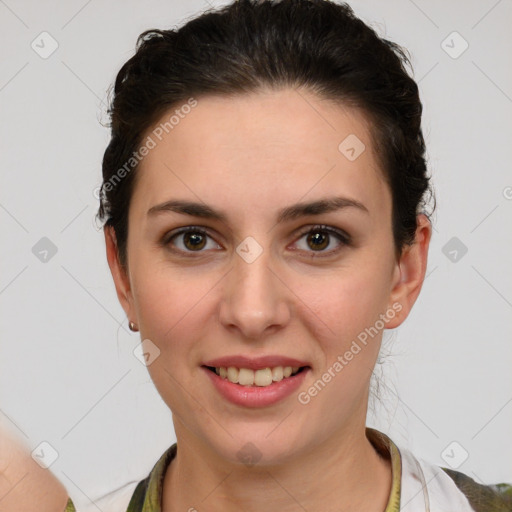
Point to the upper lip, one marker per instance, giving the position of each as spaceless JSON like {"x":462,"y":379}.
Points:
{"x":254,"y":363}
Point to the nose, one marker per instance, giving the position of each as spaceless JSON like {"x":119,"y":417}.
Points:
{"x":255,"y":300}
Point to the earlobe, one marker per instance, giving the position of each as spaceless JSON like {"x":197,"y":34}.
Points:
{"x":119,"y":273}
{"x":410,"y":272}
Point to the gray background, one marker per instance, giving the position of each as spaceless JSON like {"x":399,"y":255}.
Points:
{"x":67,"y":372}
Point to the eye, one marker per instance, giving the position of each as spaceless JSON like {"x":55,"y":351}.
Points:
{"x":190,"y":239}
{"x":320,"y":237}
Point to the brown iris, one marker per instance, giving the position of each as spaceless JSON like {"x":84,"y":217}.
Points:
{"x":196,"y":240}
{"x":320,"y":239}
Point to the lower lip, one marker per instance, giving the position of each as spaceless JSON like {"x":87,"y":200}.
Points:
{"x":257,"y":396}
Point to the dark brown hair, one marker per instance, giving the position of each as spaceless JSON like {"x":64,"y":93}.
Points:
{"x":251,"y":45}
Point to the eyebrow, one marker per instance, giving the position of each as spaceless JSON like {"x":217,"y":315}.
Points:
{"x":288,"y":213}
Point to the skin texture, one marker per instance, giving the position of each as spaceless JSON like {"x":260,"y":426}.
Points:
{"x":24,"y":485}
{"x":250,"y":156}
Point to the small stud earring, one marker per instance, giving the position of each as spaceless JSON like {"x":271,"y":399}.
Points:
{"x":132,"y":327}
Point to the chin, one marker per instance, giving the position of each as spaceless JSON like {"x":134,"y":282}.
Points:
{"x":257,"y":446}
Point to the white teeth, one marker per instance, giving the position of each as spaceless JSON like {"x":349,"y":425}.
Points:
{"x":232,"y":374}
{"x":246,"y":377}
{"x":277,"y":373}
{"x":262,"y":378}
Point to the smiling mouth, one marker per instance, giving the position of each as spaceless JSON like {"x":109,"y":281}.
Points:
{"x":262,"y":378}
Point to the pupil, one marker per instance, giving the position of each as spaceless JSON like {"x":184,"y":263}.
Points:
{"x":195,"y":239}
{"x":317,"y":237}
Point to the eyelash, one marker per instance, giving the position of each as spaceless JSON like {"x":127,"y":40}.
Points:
{"x":342,"y":237}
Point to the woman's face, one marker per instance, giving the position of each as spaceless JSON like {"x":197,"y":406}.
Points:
{"x":257,"y":283}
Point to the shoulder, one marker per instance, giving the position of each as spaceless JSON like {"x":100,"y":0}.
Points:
{"x":148,"y":493}
{"x":136,"y":496}
{"x":427,"y":486}
{"x":483,"y":498}
{"x":115,"y":501}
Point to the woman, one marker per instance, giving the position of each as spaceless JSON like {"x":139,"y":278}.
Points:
{"x":263,"y":199}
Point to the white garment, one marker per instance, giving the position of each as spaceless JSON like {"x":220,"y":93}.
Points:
{"x":115,"y":501}
{"x":428,"y":488}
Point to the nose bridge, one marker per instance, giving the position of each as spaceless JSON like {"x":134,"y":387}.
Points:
{"x":254,"y":298}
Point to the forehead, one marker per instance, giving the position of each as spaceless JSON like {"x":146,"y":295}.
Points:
{"x":260,"y":150}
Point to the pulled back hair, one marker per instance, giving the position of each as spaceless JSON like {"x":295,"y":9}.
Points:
{"x":249,"y":46}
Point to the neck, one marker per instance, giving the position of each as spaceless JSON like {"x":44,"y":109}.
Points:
{"x":345,"y":473}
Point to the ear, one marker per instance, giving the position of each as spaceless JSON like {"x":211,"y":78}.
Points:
{"x":409,"y":273}
{"x":119,"y":273}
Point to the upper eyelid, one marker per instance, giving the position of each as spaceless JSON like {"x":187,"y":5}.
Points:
{"x":324,"y":227}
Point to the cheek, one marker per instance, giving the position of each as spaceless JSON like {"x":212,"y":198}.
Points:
{"x":171,"y":308}
{"x":343,"y":307}
{"x":351,"y":300}
{"x":171,"y":305}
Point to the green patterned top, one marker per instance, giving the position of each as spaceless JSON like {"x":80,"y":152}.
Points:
{"x":147,"y":496}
